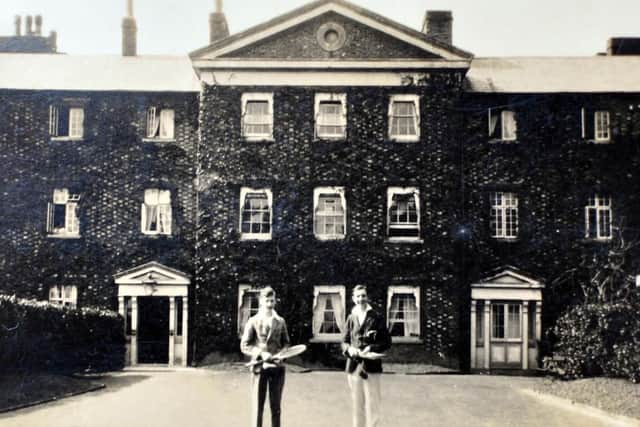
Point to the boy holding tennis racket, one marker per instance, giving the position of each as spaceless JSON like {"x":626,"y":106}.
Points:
{"x":365,"y":339}
{"x":265,"y":335}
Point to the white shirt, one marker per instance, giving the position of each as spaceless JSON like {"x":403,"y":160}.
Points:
{"x":362,"y":314}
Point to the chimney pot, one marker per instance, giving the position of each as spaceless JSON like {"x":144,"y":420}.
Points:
{"x":18,"y":23}
{"x":219,"y":6}
{"x":38,"y":25}
{"x":218,"y":28}
{"x":439,"y":25}
{"x":28,"y":30}
{"x":129,"y":32}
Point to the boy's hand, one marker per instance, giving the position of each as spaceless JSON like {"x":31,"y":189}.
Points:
{"x":266,"y":356}
{"x":353,"y":352}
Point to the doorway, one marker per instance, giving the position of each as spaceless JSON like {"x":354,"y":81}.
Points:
{"x":153,"y":330}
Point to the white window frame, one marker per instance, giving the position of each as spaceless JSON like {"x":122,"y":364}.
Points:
{"x":599,"y":204}
{"x":75,"y":125}
{"x":242,"y":290}
{"x":255,"y":96}
{"x":71,"y":229}
{"x":415,"y":291}
{"x":334,"y":98}
{"x":58,"y":295}
{"x":161,"y":209}
{"x":244,"y":191}
{"x":502,"y":209}
{"x":338,"y":191}
{"x":328,"y":289}
{"x":508,"y":116}
{"x":392,"y":191}
{"x":505,"y":305}
{"x":160,"y":126}
{"x":405,"y":98}
{"x":601,"y":117}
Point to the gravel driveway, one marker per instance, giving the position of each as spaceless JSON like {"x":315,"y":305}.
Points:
{"x":203,"y":398}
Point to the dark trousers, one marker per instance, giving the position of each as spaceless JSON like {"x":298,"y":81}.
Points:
{"x":273,"y":379}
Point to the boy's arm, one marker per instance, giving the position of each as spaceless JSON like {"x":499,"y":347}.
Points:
{"x":346,"y":336}
{"x":285,"y":341}
{"x":383,"y":338}
{"x":248,"y":341}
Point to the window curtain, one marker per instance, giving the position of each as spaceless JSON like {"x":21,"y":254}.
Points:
{"x":167,"y":123}
{"x":318,"y":312}
{"x":244,"y":311}
{"x":153,"y":122}
{"x":320,"y":307}
{"x":509,"y":125}
{"x":492,"y":120}
{"x":338,"y":309}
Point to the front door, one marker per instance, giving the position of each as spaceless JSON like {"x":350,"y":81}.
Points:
{"x":506,"y":335}
{"x":153,"y":330}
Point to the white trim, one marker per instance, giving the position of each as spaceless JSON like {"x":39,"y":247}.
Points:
{"x":416,"y":121}
{"x":404,"y":289}
{"x":328,"y":289}
{"x":256,"y":236}
{"x":316,"y":64}
{"x":598,"y":208}
{"x":501,"y":214}
{"x":252,"y":78}
{"x":316,"y":198}
{"x":76,"y":117}
{"x":156,"y":272}
{"x":607,"y":115}
{"x":324,"y":8}
{"x":242,"y":290}
{"x":512,"y":115}
{"x":392,"y":191}
{"x":330,"y":97}
{"x":257,"y":96}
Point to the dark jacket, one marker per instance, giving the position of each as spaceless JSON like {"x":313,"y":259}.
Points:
{"x":261,"y":334}
{"x":373,"y":333}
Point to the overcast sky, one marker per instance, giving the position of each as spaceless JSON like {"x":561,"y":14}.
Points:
{"x":484,"y":27}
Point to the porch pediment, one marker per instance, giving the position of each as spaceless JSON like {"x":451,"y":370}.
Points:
{"x":152,"y":272}
{"x":508,"y":283}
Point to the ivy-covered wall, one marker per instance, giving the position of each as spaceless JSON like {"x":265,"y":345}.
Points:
{"x":110,"y":168}
{"x":292,"y":165}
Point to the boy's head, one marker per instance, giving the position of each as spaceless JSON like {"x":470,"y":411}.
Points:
{"x":359,"y":295}
{"x":267,"y":298}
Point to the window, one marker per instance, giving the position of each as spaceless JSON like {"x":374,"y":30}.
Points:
{"x":328,"y":312}
{"x":596,"y":125}
{"x":329,"y":213}
{"x":66,"y":296}
{"x":597,"y":217}
{"x":257,"y":116}
{"x":156,"y":212}
{"x":506,"y":322}
{"x":62,"y":214}
{"x":502,"y":125}
{"x":160,"y":123}
{"x":403,"y":205}
{"x":331,"y":116}
{"x":404,"y":118}
{"x":66,"y":122}
{"x":403,"y":312}
{"x":255,"y":213}
{"x":504,"y":215}
{"x":248,"y":304}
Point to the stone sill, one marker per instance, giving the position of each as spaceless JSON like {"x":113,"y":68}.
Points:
{"x":64,"y":236}
{"x":258,"y":138}
{"x":401,"y":240}
{"x":159,"y":140}
{"x":406,"y":340}
{"x":506,"y":239}
{"x":67,"y":139}
{"x":504,"y":141}
{"x":413,"y":140}
{"x":255,"y":238}
{"x":598,"y":142}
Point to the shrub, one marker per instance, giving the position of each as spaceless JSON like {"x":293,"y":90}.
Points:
{"x":597,"y":339}
{"x":37,"y":336}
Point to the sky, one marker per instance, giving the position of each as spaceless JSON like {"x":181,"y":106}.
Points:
{"x":483,"y":27}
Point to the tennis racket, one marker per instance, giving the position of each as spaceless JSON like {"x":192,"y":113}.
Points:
{"x":284,"y":354}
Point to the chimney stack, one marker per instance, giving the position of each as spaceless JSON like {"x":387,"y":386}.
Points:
{"x":53,"y":41}
{"x":28,"y":30}
{"x":218,"y":28}
{"x":439,"y":25}
{"x":129,"y":32}
{"x":38,"y":25}
{"x":18,"y":23}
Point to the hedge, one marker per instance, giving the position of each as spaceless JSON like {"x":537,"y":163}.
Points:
{"x":597,"y":339}
{"x":39,"y":336}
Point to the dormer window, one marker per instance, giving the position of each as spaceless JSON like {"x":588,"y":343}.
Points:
{"x":331,"y":116}
{"x":66,"y":122}
{"x":160,"y":123}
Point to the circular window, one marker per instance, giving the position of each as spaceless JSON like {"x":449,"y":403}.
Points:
{"x":331,"y":36}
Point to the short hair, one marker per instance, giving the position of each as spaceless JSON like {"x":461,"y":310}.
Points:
{"x":359,"y":288}
{"x":267,"y":292}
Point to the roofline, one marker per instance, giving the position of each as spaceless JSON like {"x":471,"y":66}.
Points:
{"x":313,"y":5}
{"x":151,"y":264}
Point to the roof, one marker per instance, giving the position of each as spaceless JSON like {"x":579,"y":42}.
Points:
{"x":97,"y":73}
{"x":604,"y":74}
{"x":338,"y":6}
{"x":25,"y":44}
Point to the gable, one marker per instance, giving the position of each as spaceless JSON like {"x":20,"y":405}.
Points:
{"x":511,"y":278}
{"x":302,"y":42}
{"x":152,"y":272}
{"x":369,"y":36}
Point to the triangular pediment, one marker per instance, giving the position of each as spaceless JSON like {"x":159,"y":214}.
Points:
{"x":509,"y":277}
{"x":330,"y":30}
{"x":152,"y":273}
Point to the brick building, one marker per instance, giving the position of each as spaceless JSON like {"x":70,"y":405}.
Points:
{"x":325,"y":148}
